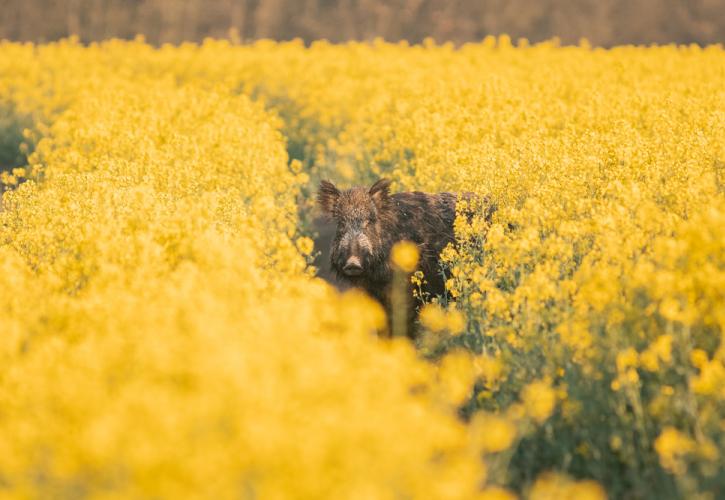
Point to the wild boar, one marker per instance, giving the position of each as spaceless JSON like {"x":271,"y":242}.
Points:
{"x":371,"y":220}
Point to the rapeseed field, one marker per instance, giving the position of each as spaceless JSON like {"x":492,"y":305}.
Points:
{"x":163,"y":334}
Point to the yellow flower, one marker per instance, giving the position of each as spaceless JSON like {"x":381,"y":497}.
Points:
{"x":615,"y":442}
{"x":554,"y":486}
{"x":491,"y":368}
{"x":8,"y":179}
{"x":667,"y":390}
{"x":649,"y":360}
{"x":632,"y":376}
{"x":495,"y":493}
{"x":492,"y":433}
{"x":405,"y":256}
{"x":663,"y":347}
{"x":455,"y":322}
{"x":433,"y":317}
{"x":659,"y":350}
{"x":295,"y":166}
{"x":495,"y":235}
{"x":539,"y":400}
{"x":626,"y":359}
{"x":457,"y":374}
{"x":698,"y":358}
{"x":587,"y":490}
{"x":305,"y":245}
{"x":671,"y":445}
{"x":711,"y":379}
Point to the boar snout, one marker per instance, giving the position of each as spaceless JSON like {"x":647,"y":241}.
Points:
{"x":353,"y":267}
{"x":356,"y":246}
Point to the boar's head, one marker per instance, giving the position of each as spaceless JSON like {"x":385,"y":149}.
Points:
{"x":363,"y":239}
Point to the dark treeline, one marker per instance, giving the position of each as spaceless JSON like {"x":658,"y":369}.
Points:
{"x":603,"y":22}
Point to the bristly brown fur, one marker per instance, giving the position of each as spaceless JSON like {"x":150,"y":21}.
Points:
{"x":370,"y":221}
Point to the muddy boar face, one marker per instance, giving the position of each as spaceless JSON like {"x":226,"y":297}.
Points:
{"x":358,"y":212}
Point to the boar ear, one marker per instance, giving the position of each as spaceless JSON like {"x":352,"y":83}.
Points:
{"x":380,"y":191}
{"x":327,"y":196}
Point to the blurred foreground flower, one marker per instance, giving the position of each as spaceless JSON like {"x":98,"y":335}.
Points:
{"x":405,"y":256}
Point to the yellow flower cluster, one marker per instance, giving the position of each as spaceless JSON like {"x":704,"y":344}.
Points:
{"x":161,"y":334}
{"x":164,"y":333}
{"x":551,"y":486}
{"x":603,"y":269}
